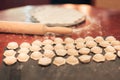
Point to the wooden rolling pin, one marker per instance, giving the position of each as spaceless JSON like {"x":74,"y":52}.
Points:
{"x":31,"y":28}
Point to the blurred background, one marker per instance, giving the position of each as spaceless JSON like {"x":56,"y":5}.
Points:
{"x":5,"y":4}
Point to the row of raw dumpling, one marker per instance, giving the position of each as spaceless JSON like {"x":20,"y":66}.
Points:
{"x":24,"y":47}
{"x":68,"y":43}
{"x":58,"y":60}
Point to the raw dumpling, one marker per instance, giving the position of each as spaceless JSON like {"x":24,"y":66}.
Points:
{"x":9,"y":60}
{"x":115,"y":43}
{"x":99,"y":39}
{"x":72,"y":52}
{"x":58,"y":46}
{"x":23,"y":57}
{"x":118,"y":53}
{"x":25,"y":45}
{"x":49,"y":53}
{"x":85,"y":58}
{"x":12,"y":45}
{"x":69,"y":46}
{"x":89,"y":38}
{"x":68,"y":40}
{"x":58,"y":40}
{"x":35,"y":48}
{"x":117,"y":47}
{"x":110,"y":38}
{"x":79,"y":40}
{"x":98,"y":58}
{"x":23,"y":50}
{"x":37,"y":42}
{"x":58,"y":61}
{"x":110,"y":56}
{"x":48,"y":47}
{"x":104,"y":43}
{"x":91,"y":44}
{"x":72,"y":60}
{"x":36,"y":55}
{"x":96,"y":50}
{"x":44,"y":61}
{"x":84,"y":51}
{"x":9,"y":53}
{"x":110,"y":49}
{"x":80,"y":45}
{"x":61,"y":52}
{"x":47,"y":42}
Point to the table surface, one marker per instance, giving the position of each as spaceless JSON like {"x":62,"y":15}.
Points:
{"x":106,"y":22}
